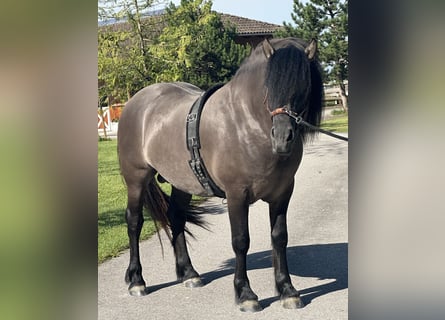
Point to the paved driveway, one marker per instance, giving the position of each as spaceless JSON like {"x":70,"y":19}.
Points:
{"x":317,"y":253}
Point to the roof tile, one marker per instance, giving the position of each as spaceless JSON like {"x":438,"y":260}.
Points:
{"x":245,"y":26}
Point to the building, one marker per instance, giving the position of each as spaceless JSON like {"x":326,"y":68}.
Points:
{"x":248,"y":31}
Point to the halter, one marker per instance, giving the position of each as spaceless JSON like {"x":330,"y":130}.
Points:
{"x":298,"y":119}
{"x":282,"y":110}
{"x":286,"y":110}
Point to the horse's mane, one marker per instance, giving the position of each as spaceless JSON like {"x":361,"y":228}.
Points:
{"x":290,"y":77}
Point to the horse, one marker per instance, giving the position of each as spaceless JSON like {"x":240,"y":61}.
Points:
{"x":249,"y":144}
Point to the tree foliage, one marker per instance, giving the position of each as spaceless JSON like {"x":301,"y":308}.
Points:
{"x":120,"y":65}
{"x":195,"y":46}
{"x":188,"y":43}
{"x":123,"y":62}
{"x":326,"y":21}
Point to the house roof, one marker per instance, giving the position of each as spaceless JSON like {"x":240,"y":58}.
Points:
{"x":249,"y":27}
{"x":244,"y":26}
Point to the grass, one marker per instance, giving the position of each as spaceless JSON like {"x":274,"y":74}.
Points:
{"x":112,"y":201}
{"x":337,"y":123}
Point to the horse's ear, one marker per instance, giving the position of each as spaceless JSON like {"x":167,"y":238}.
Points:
{"x":311,"y":49}
{"x":268,"y":49}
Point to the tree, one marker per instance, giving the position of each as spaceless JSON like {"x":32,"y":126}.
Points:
{"x":188,"y":43}
{"x":326,"y":21}
{"x":123,"y":60}
{"x":195,"y":46}
{"x":120,"y":66}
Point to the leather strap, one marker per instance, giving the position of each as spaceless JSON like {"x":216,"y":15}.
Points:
{"x":193,"y":145}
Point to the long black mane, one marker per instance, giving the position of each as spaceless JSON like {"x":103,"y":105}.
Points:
{"x":291,"y":78}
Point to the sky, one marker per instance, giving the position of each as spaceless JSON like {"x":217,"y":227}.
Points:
{"x":272,"y":11}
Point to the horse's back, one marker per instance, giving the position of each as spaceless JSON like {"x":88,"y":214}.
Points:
{"x":151,"y":104}
{"x":152,"y":131}
{"x":150,"y":99}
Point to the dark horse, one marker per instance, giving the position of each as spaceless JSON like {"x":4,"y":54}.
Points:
{"x":250,"y":147}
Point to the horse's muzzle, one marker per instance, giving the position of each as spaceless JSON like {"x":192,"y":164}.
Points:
{"x":282,"y":140}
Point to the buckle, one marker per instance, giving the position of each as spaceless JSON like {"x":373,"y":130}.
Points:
{"x":192,"y":117}
{"x":193,"y":142}
{"x":298,"y":119}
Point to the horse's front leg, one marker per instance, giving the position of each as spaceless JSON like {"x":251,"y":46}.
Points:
{"x":290,"y":298}
{"x":239,"y":224}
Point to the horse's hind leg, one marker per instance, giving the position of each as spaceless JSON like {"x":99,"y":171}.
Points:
{"x":177,"y":213}
{"x":135,"y":220}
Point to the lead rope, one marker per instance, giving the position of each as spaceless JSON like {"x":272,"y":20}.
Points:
{"x":299,"y":120}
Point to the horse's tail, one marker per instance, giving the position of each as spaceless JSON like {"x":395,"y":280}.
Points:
{"x":157,"y":202}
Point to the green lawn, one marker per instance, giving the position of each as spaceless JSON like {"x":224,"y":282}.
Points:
{"x":338,"y":123}
{"x":112,"y":201}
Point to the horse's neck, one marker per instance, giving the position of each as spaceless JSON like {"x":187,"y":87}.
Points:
{"x":249,"y":97}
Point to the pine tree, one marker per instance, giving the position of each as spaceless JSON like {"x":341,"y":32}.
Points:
{"x":326,"y":21}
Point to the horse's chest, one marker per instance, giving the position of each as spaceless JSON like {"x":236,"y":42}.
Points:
{"x":271,"y":182}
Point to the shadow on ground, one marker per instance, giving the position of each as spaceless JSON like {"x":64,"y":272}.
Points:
{"x":322,"y":261}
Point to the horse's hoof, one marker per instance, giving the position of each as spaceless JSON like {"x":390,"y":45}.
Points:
{"x":195,"y":282}
{"x":292,"y":303}
{"x":137,"y":291}
{"x":250,"y":306}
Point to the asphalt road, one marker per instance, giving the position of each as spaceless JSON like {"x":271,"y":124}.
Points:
{"x":317,"y":253}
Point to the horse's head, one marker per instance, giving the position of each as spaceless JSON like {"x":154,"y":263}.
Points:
{"x":288,"y":87}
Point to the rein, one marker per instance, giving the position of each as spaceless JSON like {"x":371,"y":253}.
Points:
{"x":299,"y":120}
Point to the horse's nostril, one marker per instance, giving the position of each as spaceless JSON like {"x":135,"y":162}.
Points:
{"x":290,"y":137}
{"x":272,"y":132}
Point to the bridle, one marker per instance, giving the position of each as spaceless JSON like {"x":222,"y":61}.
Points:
{"x":286,"y":110}
{"x":283,"y":110}
{"x":298,"y":118}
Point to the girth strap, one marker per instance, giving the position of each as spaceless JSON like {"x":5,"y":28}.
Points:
{"x":193,"y":145}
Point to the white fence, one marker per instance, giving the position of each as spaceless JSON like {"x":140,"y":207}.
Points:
{"x":332,"y":95}
{"x":104,"y":121}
